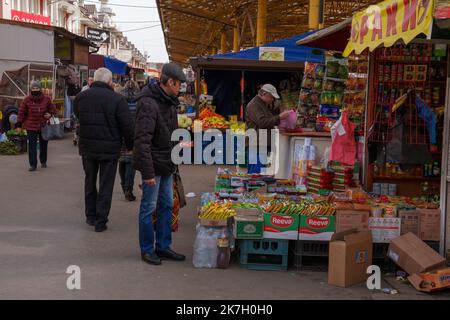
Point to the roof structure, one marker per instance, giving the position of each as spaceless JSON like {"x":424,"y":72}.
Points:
{"x":193,"y":27}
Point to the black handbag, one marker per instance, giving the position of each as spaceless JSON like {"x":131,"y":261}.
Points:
{"x":179,"y":188}
{"x":53,"y":130}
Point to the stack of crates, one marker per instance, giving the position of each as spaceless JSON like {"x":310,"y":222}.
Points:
{"x":266,"y":254}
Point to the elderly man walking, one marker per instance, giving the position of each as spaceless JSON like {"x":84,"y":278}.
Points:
{"x":105,"y":121}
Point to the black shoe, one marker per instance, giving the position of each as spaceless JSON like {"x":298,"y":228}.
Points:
{"x":32,"y":169}
{"x":101,"y":228}
{"x":90,"y":221}
{"x":151,"y":258}
{"x":44,"y":165}
{"x":170,"y":254}
{"x":130,"y":196}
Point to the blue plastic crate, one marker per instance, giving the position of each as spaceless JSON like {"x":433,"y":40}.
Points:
{"x":266,"y":254}
{"x":265,"y":246}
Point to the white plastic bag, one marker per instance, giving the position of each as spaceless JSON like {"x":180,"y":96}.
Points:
{"x":205,"y":246}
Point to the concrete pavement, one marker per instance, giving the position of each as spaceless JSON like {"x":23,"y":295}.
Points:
{"x":42,"y":232}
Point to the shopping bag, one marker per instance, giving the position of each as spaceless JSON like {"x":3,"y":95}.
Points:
{"x":179,"y":188}
{"x":53,"y":130}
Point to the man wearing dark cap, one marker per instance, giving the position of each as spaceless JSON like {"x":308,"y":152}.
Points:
{"x":156,"y":119}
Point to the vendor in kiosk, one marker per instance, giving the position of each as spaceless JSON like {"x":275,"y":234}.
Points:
{"x":259,"y":116}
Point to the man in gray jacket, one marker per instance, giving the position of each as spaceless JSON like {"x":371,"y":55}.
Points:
{"x":259,"y":116}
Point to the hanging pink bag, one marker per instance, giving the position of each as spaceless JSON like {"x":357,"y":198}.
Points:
{"x":290,"y":122}
{"x":343,"y":144}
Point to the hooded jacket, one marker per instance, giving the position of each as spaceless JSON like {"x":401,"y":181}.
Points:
{"x":156,"y":119}
{"x":104,"y":120}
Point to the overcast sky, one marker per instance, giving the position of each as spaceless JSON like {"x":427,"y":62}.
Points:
{"x":150,"y":40}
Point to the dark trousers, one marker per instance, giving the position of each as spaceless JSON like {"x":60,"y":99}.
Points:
{"x":98,"y":203}
{"x":127,"y":174}
{"x":32,"y":148}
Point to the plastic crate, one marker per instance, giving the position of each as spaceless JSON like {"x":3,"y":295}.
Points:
{"x":266,"y":254}
{"x":310,"y":255}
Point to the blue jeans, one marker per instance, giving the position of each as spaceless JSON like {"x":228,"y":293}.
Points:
{"x":160,"y":198}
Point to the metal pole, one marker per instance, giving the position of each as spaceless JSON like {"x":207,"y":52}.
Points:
{"x":261,"y":23}
{"x":314,"y":12}
{"x":223,"y":42}
{"x":445,"y":173}
{"x":236,"y":37}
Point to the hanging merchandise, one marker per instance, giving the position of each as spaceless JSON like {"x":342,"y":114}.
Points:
{"x":309,"y":100}
{"x":427,"y":114}
{"x":343,"y":145}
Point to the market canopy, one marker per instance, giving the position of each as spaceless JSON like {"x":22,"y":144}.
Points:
{"x":331,"y":38}
{"x":194,"y":27}
{"x":292,"y":52}
{"x":116,"y":66}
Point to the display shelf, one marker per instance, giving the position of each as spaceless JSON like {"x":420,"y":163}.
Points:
{"x":407,"y":178}
{"x":402,"y":62}
{"x":335,"y":79}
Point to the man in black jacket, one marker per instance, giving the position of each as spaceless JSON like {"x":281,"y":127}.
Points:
{"x":156,"y":119}
{"x":104,"y":120}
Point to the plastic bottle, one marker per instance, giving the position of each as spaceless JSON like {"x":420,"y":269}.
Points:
{"x":223,"y":255}
{"x":436,"y":169}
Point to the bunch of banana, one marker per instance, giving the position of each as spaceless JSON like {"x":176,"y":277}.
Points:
{"x":217,"y":211}
{"x":321,"y":208}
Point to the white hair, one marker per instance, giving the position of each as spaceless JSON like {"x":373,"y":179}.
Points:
{"x":103,"y":75}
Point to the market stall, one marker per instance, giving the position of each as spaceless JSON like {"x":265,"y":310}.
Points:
{"x":231,"y":80}
{"x":406,"y":131}
{"x":269,"y":224}
{"x":19,"y":66}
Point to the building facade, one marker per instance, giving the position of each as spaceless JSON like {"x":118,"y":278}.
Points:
{"x":76,"y":16}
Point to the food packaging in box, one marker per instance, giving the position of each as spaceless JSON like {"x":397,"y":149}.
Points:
{"x":319,"y":228}
{"x":384,"y":229}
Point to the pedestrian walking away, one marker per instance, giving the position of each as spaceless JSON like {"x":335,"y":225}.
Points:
{"x":126,"y":170}
{"x":104,"y":120}
{"x":259,"y":115}
{"x":156,"y":119}
{"x":35,"y":110}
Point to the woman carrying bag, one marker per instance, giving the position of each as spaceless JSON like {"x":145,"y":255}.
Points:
{"x":35,"y":110}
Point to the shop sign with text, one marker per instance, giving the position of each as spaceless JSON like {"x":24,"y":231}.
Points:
{"x":389,"y":21}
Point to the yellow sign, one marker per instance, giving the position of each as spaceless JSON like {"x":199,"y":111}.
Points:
{"x":389,"y":21}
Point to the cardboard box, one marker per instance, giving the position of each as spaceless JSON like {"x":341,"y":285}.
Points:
{"x":410,"y":221}
{"x":319,"y":228}
{"x":248,"y":227}
{"x":350,"y":219}
{"x":384,"y":229}
{"x":432,"y":281}
{"x":214,"y":222}
{"x":350,"y":255}
{"x":413,"y":255}
{"x":430,"y":227}
{"x":281,"y":226}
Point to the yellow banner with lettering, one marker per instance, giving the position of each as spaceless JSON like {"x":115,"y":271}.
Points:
{"x":389,"y":21}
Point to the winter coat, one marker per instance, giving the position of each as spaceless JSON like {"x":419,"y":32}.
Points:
{"x":156,"y":119}
{"x":259,"y":116}
{"x":104,"y":120}
{"x":32,"y":110}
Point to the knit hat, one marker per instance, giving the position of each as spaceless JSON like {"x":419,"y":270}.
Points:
{"x":35,"y":85}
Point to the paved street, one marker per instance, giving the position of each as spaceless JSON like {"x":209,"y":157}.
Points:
{"x":42,"y":232}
